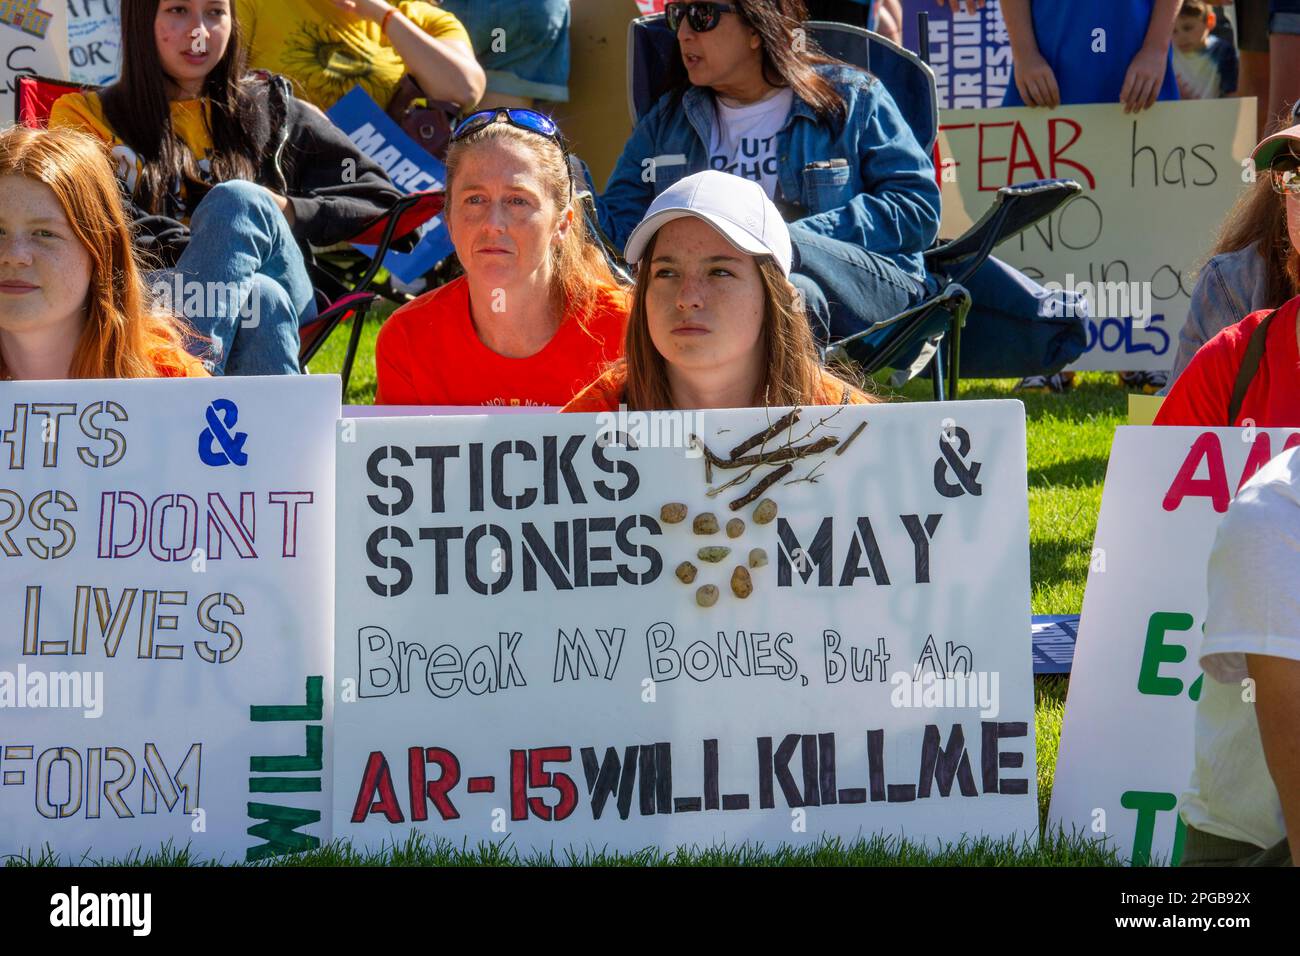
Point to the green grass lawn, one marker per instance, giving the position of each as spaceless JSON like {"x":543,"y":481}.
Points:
{"x":1069,"y":440}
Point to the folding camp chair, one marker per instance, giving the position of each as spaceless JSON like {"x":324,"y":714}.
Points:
{"x":338,"y":298}
{"x":655,"y":67}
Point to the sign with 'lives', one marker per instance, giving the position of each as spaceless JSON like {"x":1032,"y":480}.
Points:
{"x":593,"y":631}
{"x":165,"y":551}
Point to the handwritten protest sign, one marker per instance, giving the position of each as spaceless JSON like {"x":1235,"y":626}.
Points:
{"x":165,"y":559}
{"x":33,"y":42}
{"x":1156,"y":186}
{"x":408,"y":165}
{"x":94,"y":40}
{"x":549,"y":631}
{"x":970,"y":53}
{"x":1127,"y":741}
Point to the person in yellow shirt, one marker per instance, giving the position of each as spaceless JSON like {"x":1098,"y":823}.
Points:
{"x":228,"y":180}
{"x":329,"y":46}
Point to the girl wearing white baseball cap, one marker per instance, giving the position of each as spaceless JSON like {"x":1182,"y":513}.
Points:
{"x":715,"y":321}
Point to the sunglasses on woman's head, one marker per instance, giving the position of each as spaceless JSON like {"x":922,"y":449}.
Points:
{"x":1285,"y":177}
{"x":702,"y":17}
{"x":529,"y":120}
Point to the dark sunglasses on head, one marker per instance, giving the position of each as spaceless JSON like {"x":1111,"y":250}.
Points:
{"x":702,"y":17}
{"x":529,"y":120}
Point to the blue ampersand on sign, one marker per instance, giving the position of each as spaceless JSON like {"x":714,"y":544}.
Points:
{"x":218,"y":430}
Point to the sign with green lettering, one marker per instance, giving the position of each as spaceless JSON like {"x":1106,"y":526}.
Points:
{"x":1127,"y":742}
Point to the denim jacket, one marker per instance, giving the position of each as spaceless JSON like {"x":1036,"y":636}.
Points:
{"x":868,"y":183}
{"x":1230,"y":287}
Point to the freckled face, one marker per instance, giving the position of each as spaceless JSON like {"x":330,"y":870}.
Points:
{"x":704,"y":303}
{"x":44,"y":269}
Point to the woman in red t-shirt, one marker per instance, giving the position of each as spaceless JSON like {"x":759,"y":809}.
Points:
{"x":538,"y":312}
{"x":1269,"y":371}
{"x":73,"y":303}
{"x":715,"y":322}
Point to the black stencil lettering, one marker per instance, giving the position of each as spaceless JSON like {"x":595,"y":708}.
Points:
{"x":664,"y":777}
{"x":876,"y":763}
{"x":554,"y":465}
{"x":765,"y":800}
{"x":863,"y":539}
{"x":711,"y":774}
{"x":826,"y":766}
{"x":554,"y":560}
{"x":631,"y":480}
{"x":646,"y":767}
{"x":440,"y":537}
{"x":404,"y":575}
{"x":405,"y":494}
{"x":818,"y":553}
{"x":476,"y":476}
{"x":940,"y":766}
{"x":471,"y":559}
{"x":781,"y":763}
{"x":437,"y":455}
{"x":921,"y":536}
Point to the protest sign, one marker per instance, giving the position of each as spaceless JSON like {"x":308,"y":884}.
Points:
{"x":1126,"y":748}
{"x":409,"y":166}
{"x":970,"y":53}
{"x":548,"y":630}
{"x":166,"y":548}
{"x":1156,"y":185}
{"x":33,"y":42}
{"x":94,"y":41}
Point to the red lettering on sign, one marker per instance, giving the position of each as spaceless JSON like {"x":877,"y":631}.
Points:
{"x":377,"y":782}
{"x":1186,"y":485}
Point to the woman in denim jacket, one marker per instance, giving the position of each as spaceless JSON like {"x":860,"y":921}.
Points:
{"x":841,"y":163}
{"x":1256,"y":264}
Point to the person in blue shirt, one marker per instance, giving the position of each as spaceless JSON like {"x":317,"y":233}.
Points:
{"x":1091,"y":51}
{"x":825,"y":140}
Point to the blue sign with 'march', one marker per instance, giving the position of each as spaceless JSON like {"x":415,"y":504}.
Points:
{"x":408,"y":165}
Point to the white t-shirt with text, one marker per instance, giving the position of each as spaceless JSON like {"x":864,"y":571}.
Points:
{"x":744,"y":138}
{"x":1254,"y":608}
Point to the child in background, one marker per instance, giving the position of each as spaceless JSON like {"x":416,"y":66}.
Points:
{"x":1206,"y":67}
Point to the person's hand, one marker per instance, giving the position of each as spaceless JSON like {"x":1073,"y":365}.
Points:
{"x":372,"y":10}
{"x":972,"y":6}
{"x":1143,"y":80}
{"x":1036,"y":82}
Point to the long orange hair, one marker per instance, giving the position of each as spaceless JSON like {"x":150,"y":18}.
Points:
{"x":124,"y":336}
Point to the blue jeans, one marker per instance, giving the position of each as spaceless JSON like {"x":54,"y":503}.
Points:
{"x":523,"y":45}
{"x":846,"y":287}
{"x":241,"y":283}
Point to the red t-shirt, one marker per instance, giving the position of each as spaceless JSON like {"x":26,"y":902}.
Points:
{"x":428,"y":353}
{"x":1201,"y":395}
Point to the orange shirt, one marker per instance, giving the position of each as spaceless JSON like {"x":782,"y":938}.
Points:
{"x":428,"y":353}
{"x":605,"y":394}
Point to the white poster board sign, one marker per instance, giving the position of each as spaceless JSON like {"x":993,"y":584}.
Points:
{"x":94,"y":40}
{"x":517,"y":657}
{"x":166,"y":552}
{"x":1126,"y":749}
{"x":1156,"y":186}
{"x":33,"y":42}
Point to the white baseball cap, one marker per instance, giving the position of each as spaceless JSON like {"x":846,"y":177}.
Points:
{"x":738,"y":208}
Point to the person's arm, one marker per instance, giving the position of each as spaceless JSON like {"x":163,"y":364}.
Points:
{"x":898,"y":209}
{"x":443,"y":69}
{"x":1034,"y":77}
{"x":1213,"y":307}
{"x":631,"y":186}
{"x":334,"y":190}
{"x":1146,"y":72}
{"x":1277,"y":711}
